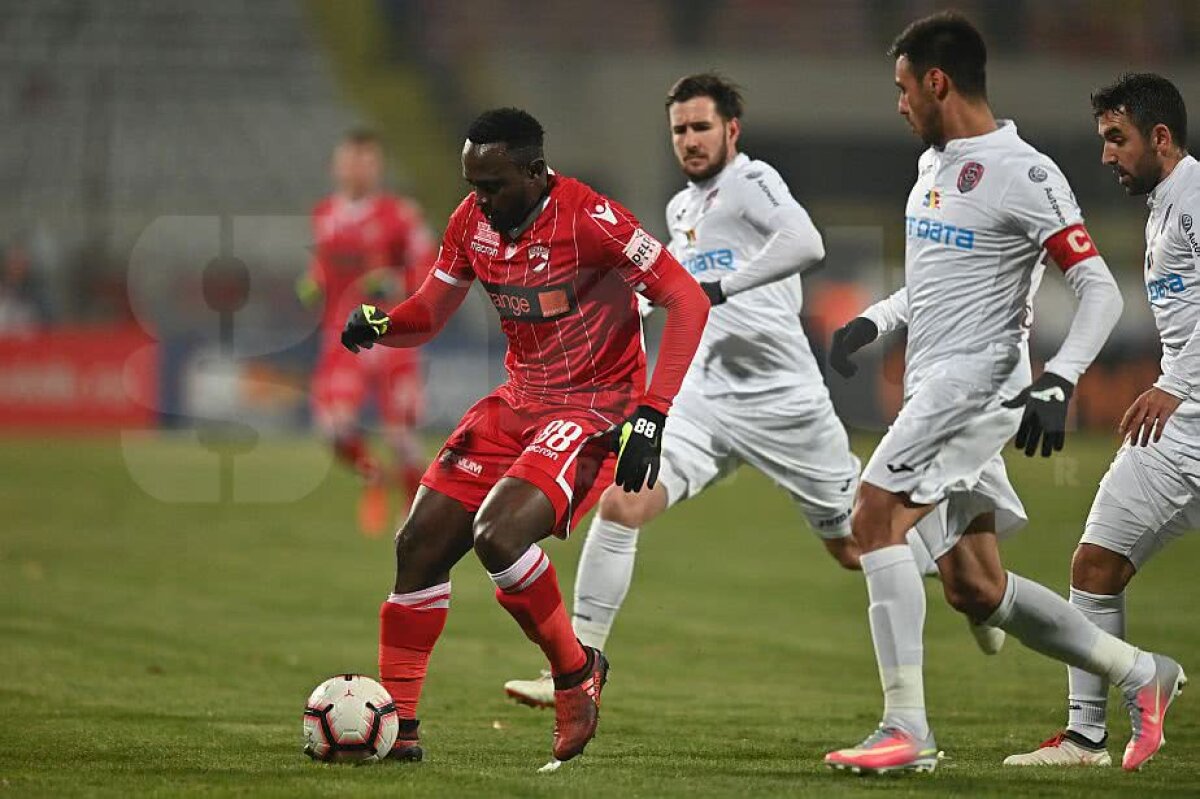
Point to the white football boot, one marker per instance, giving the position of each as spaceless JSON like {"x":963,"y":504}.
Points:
{"x":534,"y":693}
{"x":989,"y":639}
{"x":1067,"y":748}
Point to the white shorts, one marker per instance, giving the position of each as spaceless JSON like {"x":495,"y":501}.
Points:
{"x":1150,"y":495}
{"x":793,"y":438}
{"x":944,"y":447}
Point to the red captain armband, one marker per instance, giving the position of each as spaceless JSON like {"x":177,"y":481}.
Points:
{"x":1071,"y":245}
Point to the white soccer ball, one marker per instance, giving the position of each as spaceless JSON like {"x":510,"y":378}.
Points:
{"x":350,"y":719}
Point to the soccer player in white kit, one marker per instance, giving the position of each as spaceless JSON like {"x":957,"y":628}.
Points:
{"x":754,"y":393}
{"x":987,"y":209}
{"x":1151,"y":493}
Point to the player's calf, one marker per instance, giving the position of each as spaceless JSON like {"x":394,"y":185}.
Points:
{"x":976,"y":596}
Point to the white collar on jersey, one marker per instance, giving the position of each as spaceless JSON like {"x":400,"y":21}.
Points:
{"x":739,"y":161}
{"x":1167,"y":185}
{"x":1005,"y":130}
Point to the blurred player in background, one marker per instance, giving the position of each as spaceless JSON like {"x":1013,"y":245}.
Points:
{"x":754,"y":393}
{"x":369,"y":244}
{"x":985,"y":213}
{"x":561,"y":264}
{"x":1151,"y":493}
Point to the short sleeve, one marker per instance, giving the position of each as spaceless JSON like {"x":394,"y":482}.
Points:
{"x":612,"y":238}
{"x":1039,"y":201}
{"x":452,"y":265}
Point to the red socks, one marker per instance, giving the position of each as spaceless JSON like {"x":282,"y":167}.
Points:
{"x":353,"y":452}
{"x":529,"y":591}
{"x":409,"y":626}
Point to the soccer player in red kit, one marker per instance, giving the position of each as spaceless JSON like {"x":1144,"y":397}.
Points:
{"x":368,"y":245}
{"x":561,"y":264}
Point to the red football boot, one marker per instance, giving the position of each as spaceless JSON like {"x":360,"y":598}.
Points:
{"x":408,"y":743}
{"x":577,"y":707}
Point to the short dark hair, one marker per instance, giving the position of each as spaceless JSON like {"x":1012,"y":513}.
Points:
{"x":517,"y":130}
{"x":949,"y":42}
{"x":1148,"y":100}
{"x":725,"y":94}
{"x":361,"y":137}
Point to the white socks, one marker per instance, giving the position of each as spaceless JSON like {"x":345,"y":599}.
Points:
{"x":1088,"y":698}
{"x":602,"y":580}
{"x":1047,"y":623}
{"x":897,"y":615}
{"x":926,"y":565}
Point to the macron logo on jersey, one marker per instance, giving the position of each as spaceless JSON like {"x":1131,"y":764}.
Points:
{"x":920,"y":227}
{"x":604,"y":212}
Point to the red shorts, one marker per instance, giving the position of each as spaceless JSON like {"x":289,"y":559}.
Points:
{"x":564,"y":450}
{"x":343,"y":380}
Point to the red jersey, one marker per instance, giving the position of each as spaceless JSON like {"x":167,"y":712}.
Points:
{"x":355,"y":238}
{"x":564,"y":289}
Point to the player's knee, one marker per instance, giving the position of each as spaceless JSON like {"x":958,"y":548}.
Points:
{"x":415,"y":567}
{"x":498,"y":541}
{"x":629,"y":509}
{"x":974,"y":596}
{"x":870,"y":522}
{"x":845,"y":551}
{"x":1100,"y":571}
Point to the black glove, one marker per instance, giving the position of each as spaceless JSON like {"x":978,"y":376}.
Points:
{"x":1045,"y":402}
{"x":366,"y":325}
{"x":716,"y":295}
{"x":849,"y":339}
{"x":639,"y":445}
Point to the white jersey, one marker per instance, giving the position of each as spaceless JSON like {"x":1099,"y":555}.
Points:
{"x":975,"y":226}
{"x":1172,"y":279}
{"x":753,"y":342}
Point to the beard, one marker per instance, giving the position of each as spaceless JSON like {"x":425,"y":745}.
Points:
{"x":930,"y":130}
{"x":1145,"y":176}
{"x":712,"y":168}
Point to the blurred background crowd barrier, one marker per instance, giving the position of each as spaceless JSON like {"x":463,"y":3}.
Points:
{"x":159,"y":160}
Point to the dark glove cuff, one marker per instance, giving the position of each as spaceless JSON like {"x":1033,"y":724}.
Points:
{"x":860,"y":331}
{"x":651,"y":413}
{"x":716,"y":295}
{"x":1048,"y":379}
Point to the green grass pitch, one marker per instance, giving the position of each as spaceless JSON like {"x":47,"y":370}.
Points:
{"x":166,"y":648}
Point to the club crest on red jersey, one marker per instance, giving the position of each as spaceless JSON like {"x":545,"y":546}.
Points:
{"x":539,"y":256}
{"x":970,"y":176}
